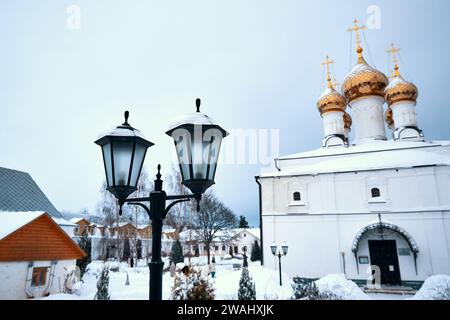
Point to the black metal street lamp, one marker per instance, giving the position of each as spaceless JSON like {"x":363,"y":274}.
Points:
{"x":124,"y":149}
{"x":197,"y":141}
{"x":279,"y":254}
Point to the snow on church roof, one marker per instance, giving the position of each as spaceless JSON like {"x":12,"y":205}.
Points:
{"x":373,"y":146}
{"x":12,"y":221}
{"x":388,"y":159}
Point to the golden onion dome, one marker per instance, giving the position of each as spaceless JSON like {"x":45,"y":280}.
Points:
{"x":331,"y":100}
{"x":363,"y":80}
{"x":400,"y":90}
{"x":347,"y":121}
{"x":389,"y":117}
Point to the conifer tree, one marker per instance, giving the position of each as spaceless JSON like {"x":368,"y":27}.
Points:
{"x":247,"y":289}
{"x":256,"y":252}
{"x":176,"y":254}
{"x":139,"y":249}
{"x":102,"y":285}
{"x":85,"y":244}
{"x":126,"y":250}
{"x":243,"y":222}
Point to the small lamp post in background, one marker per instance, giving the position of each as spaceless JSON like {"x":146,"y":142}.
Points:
{"x":279,"y":253}
{"x":245,"y":263}
{"x":197,"y":141}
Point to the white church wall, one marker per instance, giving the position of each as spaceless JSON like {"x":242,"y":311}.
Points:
{"x":436,"y":234}
{"x":414,"y":189}
{"x":443,"y":185}
{"x":316,"y":244}
{"x":267,"y":200}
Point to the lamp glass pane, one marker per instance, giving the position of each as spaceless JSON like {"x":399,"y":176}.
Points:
{"x":182,"y":139}
{"x":215,"y":137}
{"x":200,"y":152}
{"x":139,"y":154}
{"x":285,"y":249}
{"x":122,"y":152}
{"x":108,"y":163}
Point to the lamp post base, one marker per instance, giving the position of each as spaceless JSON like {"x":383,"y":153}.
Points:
{"x":156,"y":269}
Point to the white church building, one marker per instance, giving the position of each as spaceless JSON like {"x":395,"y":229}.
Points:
{"x":369,"y":204}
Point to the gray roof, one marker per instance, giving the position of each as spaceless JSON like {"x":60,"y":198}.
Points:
{"x":19,"y":192}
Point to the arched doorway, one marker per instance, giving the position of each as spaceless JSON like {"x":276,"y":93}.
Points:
{"x":380,"y":244}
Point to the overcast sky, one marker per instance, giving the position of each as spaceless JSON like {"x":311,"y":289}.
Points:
{"x":254,"y":63}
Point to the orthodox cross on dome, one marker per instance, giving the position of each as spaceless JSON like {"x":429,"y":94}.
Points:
{"x":356,"y":28}
{"x":394,"y":51}
{"x":327,"y":63}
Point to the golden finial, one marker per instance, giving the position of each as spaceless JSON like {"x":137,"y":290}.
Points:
{"x":394,"y":51}
{"x":356,"y":28}
{"x":327,"y":64}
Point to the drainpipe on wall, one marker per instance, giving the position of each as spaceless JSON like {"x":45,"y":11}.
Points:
{"x":52,"y":276}
{"x":356,"y":260}
{"x":28,"y":280}
{"x":343,"y":263}
{"x":260,"y":220}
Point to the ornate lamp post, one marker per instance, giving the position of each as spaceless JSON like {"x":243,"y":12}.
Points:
{"x":279,"y":253}
{"x":197,"y":140}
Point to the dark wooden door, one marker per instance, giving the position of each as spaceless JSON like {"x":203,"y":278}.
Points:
{"x":383,"y":253}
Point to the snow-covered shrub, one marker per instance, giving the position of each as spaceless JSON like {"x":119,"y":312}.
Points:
{"x":71,"y":279}
{"x":195,"y":286}
{"x":78,"y":288}
{"x":434,"y":288}
{"x":114,"y":266}
{"x":95,"y":268}
{"x":305,"y":289}
{"x":247,"y":289}
{"x":337,"y":287}
{"x":102,"y":285}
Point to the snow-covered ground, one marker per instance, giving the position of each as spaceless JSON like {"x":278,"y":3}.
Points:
{"x":226,"y":284}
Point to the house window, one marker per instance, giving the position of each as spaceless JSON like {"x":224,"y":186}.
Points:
{"x":236,"y":250}
{"x":39,"y":277}
{"x":375,"y":193}
{"x":223,"y":248}
{"x":297,"y":196}
{"x":216,"y":248}
{"x":205,"y":248}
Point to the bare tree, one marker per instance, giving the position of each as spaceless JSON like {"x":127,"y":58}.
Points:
{"x":136,"y":215}
{"x":213,"y":218}
{"x":108,"y":208}
{"x":179,"y":216}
